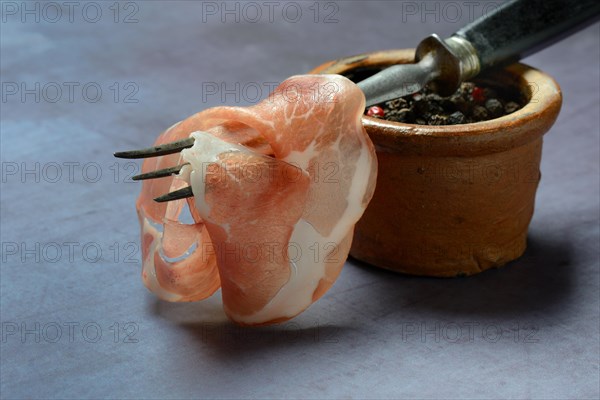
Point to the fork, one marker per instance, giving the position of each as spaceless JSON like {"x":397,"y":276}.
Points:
{"x":162,"y":150}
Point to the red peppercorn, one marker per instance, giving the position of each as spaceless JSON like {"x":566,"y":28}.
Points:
{"x":376,"y":111}
{"x":478,"y":95}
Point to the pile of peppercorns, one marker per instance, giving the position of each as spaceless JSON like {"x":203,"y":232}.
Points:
{"x":470,"y":103}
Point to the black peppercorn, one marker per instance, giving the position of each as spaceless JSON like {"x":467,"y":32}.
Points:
{"x":456,"y":118}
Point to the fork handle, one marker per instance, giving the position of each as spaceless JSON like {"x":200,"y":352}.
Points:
{"x":522,"y":27}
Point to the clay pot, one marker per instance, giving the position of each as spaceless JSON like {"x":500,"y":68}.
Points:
{"x":453,"y":200}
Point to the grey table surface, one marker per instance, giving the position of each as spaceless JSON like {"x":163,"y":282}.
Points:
{"x":81,"y":80}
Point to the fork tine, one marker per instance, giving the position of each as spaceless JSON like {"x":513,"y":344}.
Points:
{"x":176,"y":195}
{"x":161,"y":173}
{"x":160,"y":150}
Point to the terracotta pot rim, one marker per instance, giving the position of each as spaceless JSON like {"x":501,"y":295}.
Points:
{"x":464,"y":139}
{"x":458,"y":199}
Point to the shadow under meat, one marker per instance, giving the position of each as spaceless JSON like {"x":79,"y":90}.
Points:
{"x":233,"y":341}
{"x":206,"y":324}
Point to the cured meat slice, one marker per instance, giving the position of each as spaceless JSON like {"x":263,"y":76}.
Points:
{"x":175,"y":267}
{"x":277,"y":190}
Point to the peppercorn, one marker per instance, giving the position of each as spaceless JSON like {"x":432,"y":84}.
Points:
{"x":480,"y":113}
{"x":456,"y":118}
{"x":421,"y":106}
{"x":396,"y":103}
{"x":494,"y":107}
{"x":406,"y":115}
{"x":511,"y":107}
{"x":460,"y":104}
{"x":467,"y":87}
{"x":376,"y":112}
{"x":478,"y":95}
{"x":437,"y":120}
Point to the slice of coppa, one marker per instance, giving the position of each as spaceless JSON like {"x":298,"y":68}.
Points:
{"x":278,"y":188}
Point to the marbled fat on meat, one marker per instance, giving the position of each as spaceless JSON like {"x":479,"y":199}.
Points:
{"x":278,"y":188}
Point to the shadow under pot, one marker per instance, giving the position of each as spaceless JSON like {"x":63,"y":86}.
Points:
{"x":453,"y":200}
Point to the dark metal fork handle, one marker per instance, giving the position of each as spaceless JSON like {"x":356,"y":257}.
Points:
{"x":522,"y":27}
